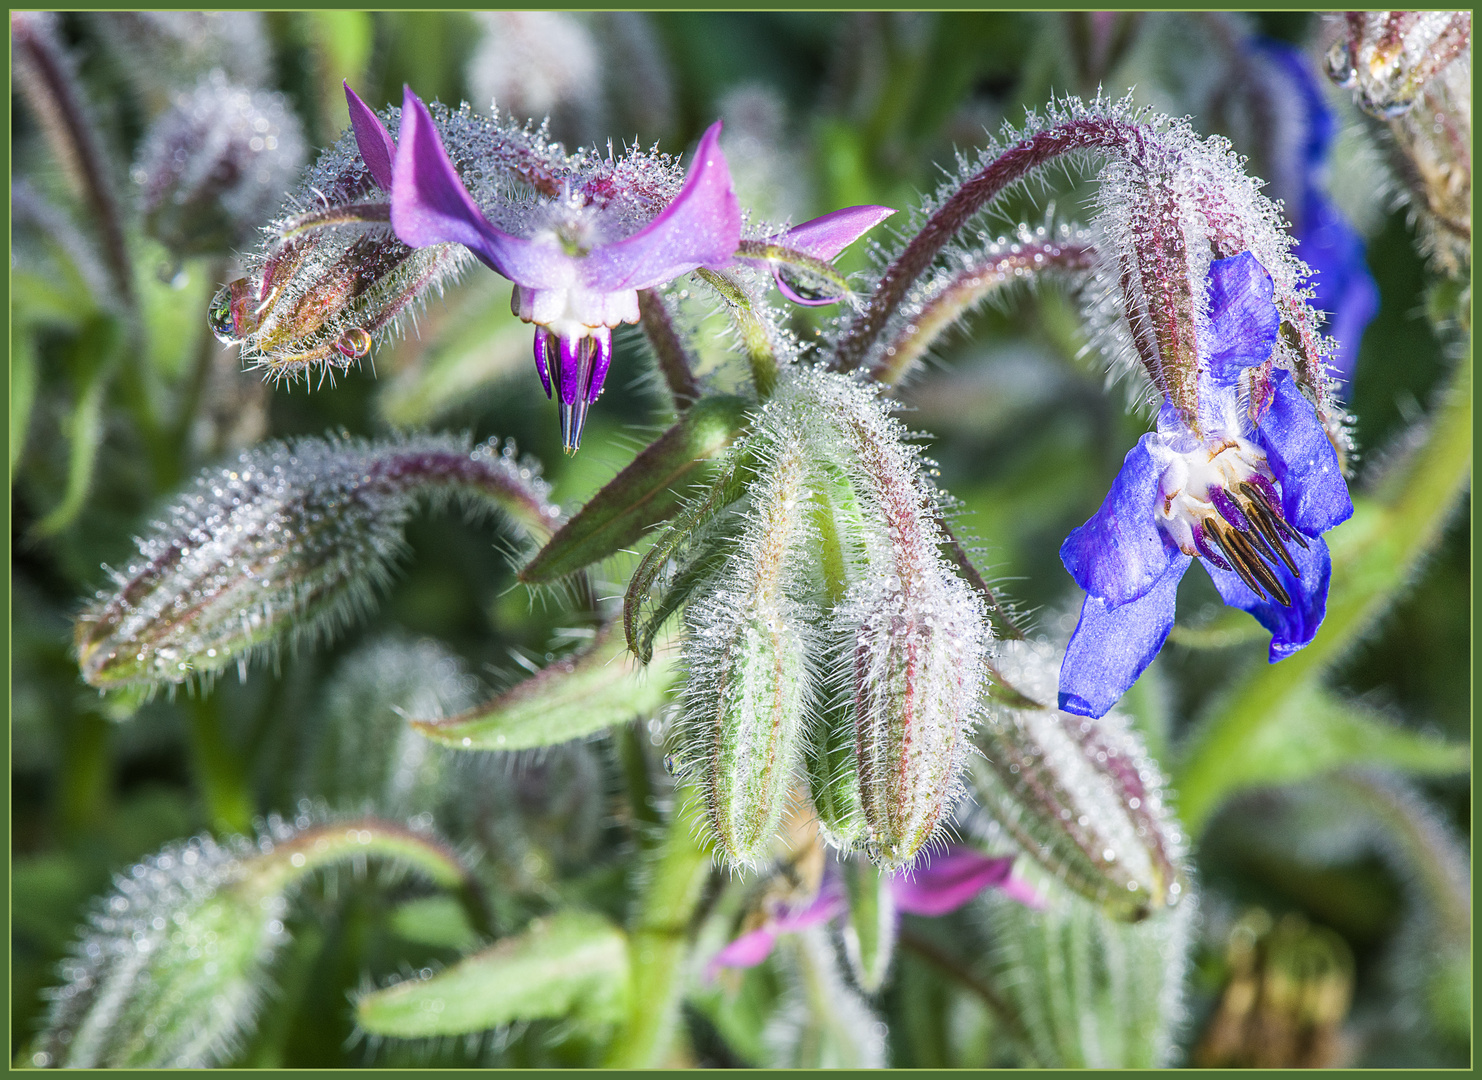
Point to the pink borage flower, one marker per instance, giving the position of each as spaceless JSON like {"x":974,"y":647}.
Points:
{"x":581,"y":262}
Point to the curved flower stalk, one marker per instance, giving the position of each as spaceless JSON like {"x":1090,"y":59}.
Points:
{"x":287,"y":541}
{"x":1248,"y":485}
{"x":170,"y":972}
{"x":606,"y":231}
{"x":1168,"y":203}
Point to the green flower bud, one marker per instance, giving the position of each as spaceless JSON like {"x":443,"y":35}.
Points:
{"x":749,"y":679}
{"x":287,"y":541}
{"x":1080,"y":796}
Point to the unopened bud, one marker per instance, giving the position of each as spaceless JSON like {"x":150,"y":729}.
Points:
{"x":1080,"y":796}
{"x":170,"y":973}
{"x":285,"y":541}
{"x":1388,"y":57}
{"x":216,"y":165}
{"x":913,"y":635}
{"x":331,"y":277}
{"x":749,"y":680}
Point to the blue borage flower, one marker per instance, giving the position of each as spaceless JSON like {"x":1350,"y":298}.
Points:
{"x":1249,"y":486}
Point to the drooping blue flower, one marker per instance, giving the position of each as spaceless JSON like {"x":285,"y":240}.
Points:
{"x":1248,"y":489}
{"x":1343,"y":287}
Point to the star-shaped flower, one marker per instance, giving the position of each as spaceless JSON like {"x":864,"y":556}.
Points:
{"x":1249,"y":489}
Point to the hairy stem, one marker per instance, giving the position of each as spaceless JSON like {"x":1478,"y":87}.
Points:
{"x":967,"y":287}
{"x":1012,"y":165}
{"x":669,"y":351}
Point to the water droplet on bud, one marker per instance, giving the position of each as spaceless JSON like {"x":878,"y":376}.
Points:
{"x":353,"y":343}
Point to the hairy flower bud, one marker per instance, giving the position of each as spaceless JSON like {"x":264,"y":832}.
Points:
{"x":215,"y":166}
{"x":1414,"y":69}
{"x":331,"y":276}
{"x":287,"y":541}
{"x":748,"y":657}
{"x":1388,"y":57}
{"x":1080,"y":796}
{"x":170,"y":973}
{"x":912,"y":634}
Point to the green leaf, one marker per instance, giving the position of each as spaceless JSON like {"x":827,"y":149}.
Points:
{"x":1374,"y":558}
{"x":573,"y":961}
{"x":439,"y":921}
{"x":95,"y":351}
{"x":648,"y":491}
{"x":596,"y":688}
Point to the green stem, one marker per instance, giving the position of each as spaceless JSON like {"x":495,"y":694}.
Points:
{"x":756,"y":339}
{"x":660,"y":942}
{"x":1374,"y":556}
{"x":223,"y":782}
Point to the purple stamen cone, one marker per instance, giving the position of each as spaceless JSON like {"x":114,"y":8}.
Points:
{"x":603,"y":361}
{"x":543,"y":341}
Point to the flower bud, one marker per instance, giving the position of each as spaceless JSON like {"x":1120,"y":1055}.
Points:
{"x":363,"y":752}
{"x":285,"y":542}
{"x":1388,"y":57}
{"x":215,"y":166}
{"x":171,"y":971}
{"x":1080,"y":796}
{"x":331,"y":277}
{"x":912,"y":634}
{"x":748,"y":660}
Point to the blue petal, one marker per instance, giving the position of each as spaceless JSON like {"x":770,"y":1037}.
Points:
{"x":1291,"y":627}
{"x":1242,"y":317}
{"x":1344,"y":288}
{"x":1110,"y":648}
{"x":1318,"y":124}
{"x":1314,"y":495}
{"x":1118,"y":554}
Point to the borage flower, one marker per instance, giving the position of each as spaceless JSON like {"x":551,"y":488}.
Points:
{"x":585,"y":254}
{"x":936,"y":888}
{"x":1248,"y":486}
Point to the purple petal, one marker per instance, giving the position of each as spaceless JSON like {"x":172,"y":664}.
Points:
{"x":1020,"y":890}
{"x":748,"y":950}
{"x":1242,"y":317}
{"x":949,"y":881}
{"x":825,"y":237}
{"x":430,"y":205}
{"x":376,"y":148}
{"x":1291,"y":627}
{"x":1314,"y":495}
{"x":1110,"y":649}
{"x":1120,"y":552}
{"x":701,"y":227}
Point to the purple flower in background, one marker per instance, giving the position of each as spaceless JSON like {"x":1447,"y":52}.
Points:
{"x":1343,"y":286}
{"x":578,"y":270}
{"x":1250,"y":493}
{"x":931,"y":889}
